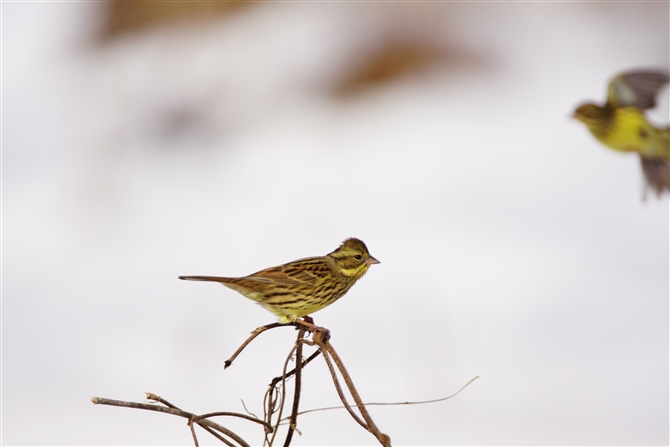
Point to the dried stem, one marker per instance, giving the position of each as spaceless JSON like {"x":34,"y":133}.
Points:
{"x":171,"y":410}
{"x":218,"y":436}
{"x":290,"y":373}
{"x":369,"y":424}
{"x":230,"y":413}
{"x":269,"y":406}
{"x":338,"y":388}
{"x":256,"y":332}
{"x":195,"y":438}
{"x":282,"y":394}
{"x":154,"y":397}
{"x":418,"y":402}
{"x":383,"y":438}
{"x":296,"y":395}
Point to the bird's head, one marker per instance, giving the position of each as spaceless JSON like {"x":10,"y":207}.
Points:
{"x":352,"y":258}
{"x":590,"y":114}
{"x":595,"y":117}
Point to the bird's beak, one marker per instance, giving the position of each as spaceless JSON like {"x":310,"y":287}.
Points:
{"x":371,"y":261}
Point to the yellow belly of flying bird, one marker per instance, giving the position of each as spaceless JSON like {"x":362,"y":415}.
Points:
{"x":629,"y":131}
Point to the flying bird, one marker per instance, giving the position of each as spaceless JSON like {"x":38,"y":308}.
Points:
{"x":620,"y":124}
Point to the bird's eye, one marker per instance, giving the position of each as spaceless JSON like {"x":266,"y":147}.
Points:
{"x":358,"y":257}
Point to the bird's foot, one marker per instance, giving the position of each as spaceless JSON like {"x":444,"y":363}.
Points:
{"x":308,"y":323}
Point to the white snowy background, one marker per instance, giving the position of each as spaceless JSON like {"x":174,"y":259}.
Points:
{"x":512,"y":245}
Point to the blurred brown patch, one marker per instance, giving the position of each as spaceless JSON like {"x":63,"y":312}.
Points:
{"x":387,"y":64}
{"x":123,"y":16}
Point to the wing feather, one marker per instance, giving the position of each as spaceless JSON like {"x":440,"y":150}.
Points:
{"x":303,"y":271}
{"x":636,"y":88}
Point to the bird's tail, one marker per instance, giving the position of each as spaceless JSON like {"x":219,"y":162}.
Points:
{"x":656,"y":174}
{"x":206,"y":278}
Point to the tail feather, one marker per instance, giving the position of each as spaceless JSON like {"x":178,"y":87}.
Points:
{"x":657,"y":174}
{"x":205,"y":278}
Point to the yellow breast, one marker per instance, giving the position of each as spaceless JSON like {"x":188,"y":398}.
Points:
{"x":629,"y":131}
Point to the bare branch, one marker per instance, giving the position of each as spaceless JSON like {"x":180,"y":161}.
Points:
{"x":322,"y":339}
{"x":290,"y":373}
{"x":171,"y":410}
{"x":230,"y":413}
{"x":419,"y":402}
{"x":383,"y":438}
{"x":296,"y":394}
{"x":219,"y":437}
{"x":247,"y":410}
{"x":152,"y":396}
{"x":340,"y":393}
{"x":283,"y":394}
{"x":195,"y":438}
{"x":256,"y":332}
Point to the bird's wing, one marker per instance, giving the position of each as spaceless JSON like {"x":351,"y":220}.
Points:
{"x":304,"y":271}
{"x":636,"y":88}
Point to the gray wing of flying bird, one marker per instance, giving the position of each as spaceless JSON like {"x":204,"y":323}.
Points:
{"x":636,"y":88}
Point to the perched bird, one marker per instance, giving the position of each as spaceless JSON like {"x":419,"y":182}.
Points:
{"x":621,"y":124}
{"x":301,"y":287}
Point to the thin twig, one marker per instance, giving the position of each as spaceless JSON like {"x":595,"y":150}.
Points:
{"x":368,"y":404}
{"x":338,"y":388}
{"x":154,"y":397}
{"x":269,"y":406}
{"x":259,"y":330}
{"x":296,"y":393}
{"x":383,"y":438}
{"x":230,"y":413}
{"x":170,"y":410}
{"x":256,"y":332}
{"x":290,"y":373}
{"x":247,"y":410}
{"x":195,"y":438}
{"x":418,"y":402}
{"x":218,"y":436}
{"x":283,"y":395}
